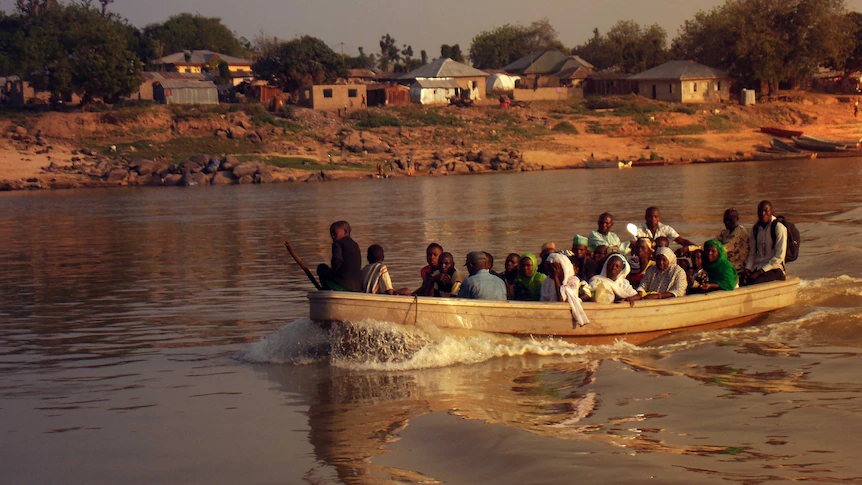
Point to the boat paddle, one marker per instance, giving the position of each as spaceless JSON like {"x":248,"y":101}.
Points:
{"x":302,"y":265}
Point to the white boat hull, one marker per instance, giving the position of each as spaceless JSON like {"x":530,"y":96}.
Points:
{"x":646,"y":320}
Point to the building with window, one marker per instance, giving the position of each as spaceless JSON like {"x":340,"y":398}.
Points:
{"x":683,"y":82}
{"x":197,"y":61}
{"x":444,"y":74}
{"x":333,"y":97}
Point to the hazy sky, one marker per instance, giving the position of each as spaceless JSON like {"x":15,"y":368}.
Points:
{"x":422,"y":24}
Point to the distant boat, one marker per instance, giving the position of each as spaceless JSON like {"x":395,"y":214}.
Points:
{"x":783,"y":146}
{"x":606,"y":164}
{"x":782,"y":156}
{"x":852,"y":143}
{"x":818,"y":145}
{"x":659,"y":163}
{"x":779,"y":132}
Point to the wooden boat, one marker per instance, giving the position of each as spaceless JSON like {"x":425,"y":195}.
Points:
{"x":646,"y":320}
{"x":817,"y":146}
{"x":783,"y":146}
{"x":851,"y":143}
{"x":607,"y":164}
{"x":659,"y":163}
{"x":783,"y":156}
{"x":779,"y":132}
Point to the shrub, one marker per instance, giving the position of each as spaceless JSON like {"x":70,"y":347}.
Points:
{"x":566,"y":127}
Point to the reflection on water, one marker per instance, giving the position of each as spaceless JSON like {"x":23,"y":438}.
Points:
{"x":157,"y":336}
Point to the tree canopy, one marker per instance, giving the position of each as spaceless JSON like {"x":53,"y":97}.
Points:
{"x":76,"y":48}
{"x":508,"y":43}
{"x":299,"y":62}
{"x":627,"y":47}
{"x":187,"y":31}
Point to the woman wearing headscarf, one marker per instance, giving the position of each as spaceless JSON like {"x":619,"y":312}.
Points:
{"x":528,"y":286}
{"x":611,"y":284}
{"x":665,"y":279}
{"x":562,"y":285}
{"x":722,"y":274}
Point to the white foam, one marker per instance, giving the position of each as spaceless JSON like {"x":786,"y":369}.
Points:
{"x":299,"y":342}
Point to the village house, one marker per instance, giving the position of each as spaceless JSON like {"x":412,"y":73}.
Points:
{"x":609,"y":83}
{"x":388,"y":95}
{"x":197,"y":61}
{"x":361,"y":76}
{"x":333,"y":97}
{"x":145,"y":91}
{"x":185,"y":92}
{"x":549,"y":68}
{"x":436,"y":82}
{"x":683,"y":82}
{"x":14,"y":90}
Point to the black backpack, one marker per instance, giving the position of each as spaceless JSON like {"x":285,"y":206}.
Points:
{"x":793,"y":237}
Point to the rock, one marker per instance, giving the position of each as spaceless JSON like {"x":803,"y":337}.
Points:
{"x":263,"y":178}
{"x":154,"y":180}
{"x":88,"y":152}
{"x":116,"y":175}
{"x":142,"y":166}
{"x":352,"y":142}
{"x":237,"y":132}
{"x":376,"y":147}
{"x":496,"y":165}
{"x":221,"y":133}
{"x":244,"y":124}
{"x":471,"y":156}
{"x":192,"y":179}
{"x":485,"y":157}
{"x":246,"y":179}
{"x":230,"y":162}
{"x":190,"y":166}
{"x":53,"y":167}
{"x":245,"y":169}
{"x":222,"y":178}
{"x":254,"y":138}
{"x":20,"y":130}
{"x":474,"y":167}
{"x":171,"y":179}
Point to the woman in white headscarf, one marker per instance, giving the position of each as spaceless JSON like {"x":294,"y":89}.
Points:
{"x":562,"y":285}
{"x":611,"y":284}
{"x":665,"y":279}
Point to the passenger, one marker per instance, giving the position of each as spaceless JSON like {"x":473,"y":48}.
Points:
{"x":722,"y":274}
{"x":662,"y":242}
{"x":547,"y":248}
{"x":510,"y":274}
{"x":611,"y":284}
{"x":641,"y":260}
{"x":765,"y":257}
{"x":432,"y":256}
{"x":491,"y":264}
{"x":735,"y":239}
{"x":584,"y":290}
{"x":603,"y":235}
{"x":652,"y":228}
{"x":587,"y":267}
{"x":696,"y":275}
{"x":529,"y":284}
{"x":563,"y":285}
{"x":481,"y":285}
{"x":375,"y":276}
{"x":600,"y":254}
{"x":663,"y":280}
{"x":345,"y":274}
{"x":447,"y":280}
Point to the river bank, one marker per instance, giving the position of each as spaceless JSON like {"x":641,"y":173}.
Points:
{"x":148,"y":145}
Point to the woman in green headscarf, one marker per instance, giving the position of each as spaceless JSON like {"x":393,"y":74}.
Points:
{"x":722,"y":274}
{"x":529,"y":284}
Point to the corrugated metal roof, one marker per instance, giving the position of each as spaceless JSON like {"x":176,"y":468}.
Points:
{"x":574,"y":73}
{"x":187,"y":84}
{"x":607,"y":76}
{"x":444,"y":67}
{"x":548,"y":61}
{"x":199,"y":57}
{"x":678,"y":70}
{"x":437,"y":83}
{"x":188,"y":76}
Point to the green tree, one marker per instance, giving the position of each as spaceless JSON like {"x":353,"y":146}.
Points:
{"x":299,"y":62}
{"x":186,"y":31}
{"x":508,"y":43}
{"x":452,"y":52}
{"x":627,"y":47}
{"x":76,"y":48}
{"x":768,"y":41}
{"x":389,"y":53}
{"x":10,"y":37}
{"x":362,"y":61}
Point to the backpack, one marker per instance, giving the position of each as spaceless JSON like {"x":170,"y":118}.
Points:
{"x":793,"y":237}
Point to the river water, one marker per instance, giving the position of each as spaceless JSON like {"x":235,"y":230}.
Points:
{"x":159,"y":336}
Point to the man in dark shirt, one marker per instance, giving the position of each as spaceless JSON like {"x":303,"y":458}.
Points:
{"x":346,"y":271}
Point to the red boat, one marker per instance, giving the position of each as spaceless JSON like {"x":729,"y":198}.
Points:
{"x":780,"y":132}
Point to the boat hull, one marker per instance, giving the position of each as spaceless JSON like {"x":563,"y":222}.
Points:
{"x":780,"y":132}
{"x":646,"y":320}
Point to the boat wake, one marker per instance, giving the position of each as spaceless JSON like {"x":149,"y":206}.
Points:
{"x":383,"y":346}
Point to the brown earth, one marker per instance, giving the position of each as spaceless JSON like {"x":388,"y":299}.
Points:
{"x":74,"y":149}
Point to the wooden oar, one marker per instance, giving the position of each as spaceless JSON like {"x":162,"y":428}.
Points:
{"x":302,"y":265}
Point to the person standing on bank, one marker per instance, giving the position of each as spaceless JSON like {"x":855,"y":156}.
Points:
{"x":481,"y":284}
{"x":766,"y":256}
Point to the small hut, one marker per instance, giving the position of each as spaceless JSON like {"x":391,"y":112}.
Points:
{"x":185,"y":92}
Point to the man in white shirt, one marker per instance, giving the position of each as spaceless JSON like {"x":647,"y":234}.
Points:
{"x":765,"y":255}
{"x":652,"y":228}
